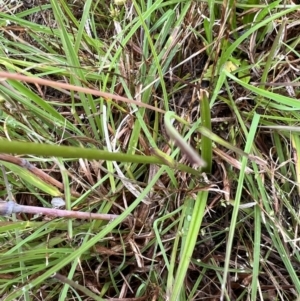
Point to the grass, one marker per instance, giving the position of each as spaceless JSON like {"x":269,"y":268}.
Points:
{"x":177,"y":121}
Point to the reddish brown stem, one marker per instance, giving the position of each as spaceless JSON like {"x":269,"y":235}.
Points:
{"x":39,"y":173}
{"x":7,"y":208}
{"x":45,"y":82}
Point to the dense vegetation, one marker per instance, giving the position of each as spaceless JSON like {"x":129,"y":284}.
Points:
{"x":176,"y":124}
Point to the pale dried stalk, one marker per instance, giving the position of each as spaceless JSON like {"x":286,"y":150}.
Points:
{"x":10,"y":207}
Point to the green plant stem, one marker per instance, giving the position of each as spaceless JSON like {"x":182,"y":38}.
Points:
{"x":37,"y":149}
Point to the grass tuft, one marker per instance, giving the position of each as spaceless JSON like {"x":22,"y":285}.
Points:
{"x":167,"y":134}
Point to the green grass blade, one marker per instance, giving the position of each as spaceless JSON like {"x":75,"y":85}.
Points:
{"x":191,"y":238}
{"x":237,"y":200}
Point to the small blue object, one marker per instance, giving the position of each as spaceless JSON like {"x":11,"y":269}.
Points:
{"x":7,"y":208}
